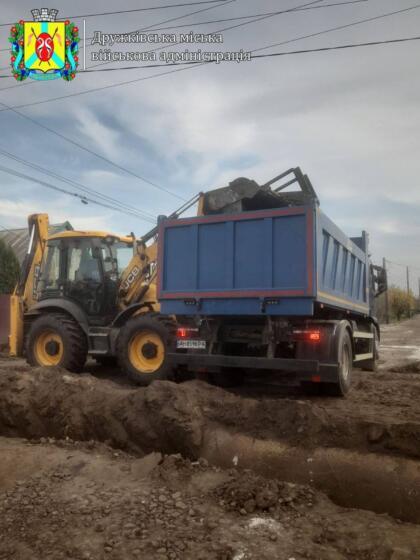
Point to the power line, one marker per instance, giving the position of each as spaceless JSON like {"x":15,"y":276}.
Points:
{"x":82,"y":198}
{"x":219,"y":3}
{"x":197,"y":24}
{"x":265,"y":16}
{"x":5,"y":228}
{"x":80,"y":186}
{"x":151,"y":77}
{"x":403,"y":265}
{"x":113,"y":163}
{"x":243,"y":24}
{"x":339,"y":27}
{"x":167,"y":46}
{"x":339,"y":47}
{"x":147,"y":9}
{"x":268,"y":55}
{"x":144,"y":78}
{"x":297,"y":9}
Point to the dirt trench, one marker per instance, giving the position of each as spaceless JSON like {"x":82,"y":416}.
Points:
{"x":296,"y":440}
{"x":64,"y":500}
{"x":266,"y":471}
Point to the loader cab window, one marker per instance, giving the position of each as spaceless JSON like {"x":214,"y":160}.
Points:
{"x":50,"y":276}
{"x":84,"y":274}
{"x":83,"y":265}
{"x":124,"y":254}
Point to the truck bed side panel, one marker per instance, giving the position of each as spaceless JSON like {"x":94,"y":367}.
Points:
{"x":342,"y":271}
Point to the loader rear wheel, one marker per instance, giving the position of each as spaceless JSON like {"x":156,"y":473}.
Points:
{"x":143,"y":345}
{"x":56,"y":340}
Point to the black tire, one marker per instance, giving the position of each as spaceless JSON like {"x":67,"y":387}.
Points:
{"x":230,"y":377}
{"x":56,"y":338}
{"x":345,"y":359}
{"x":143,"y":344}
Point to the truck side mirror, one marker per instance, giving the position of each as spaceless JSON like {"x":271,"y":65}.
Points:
{"x":380,"y":280}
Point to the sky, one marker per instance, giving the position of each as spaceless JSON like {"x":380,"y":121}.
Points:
{"x":349,"y":118}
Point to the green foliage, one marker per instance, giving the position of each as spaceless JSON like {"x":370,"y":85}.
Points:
{"x":401,"y":305}
{"x":9,"y":269}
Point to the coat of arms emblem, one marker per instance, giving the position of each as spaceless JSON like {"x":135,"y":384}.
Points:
{"x":44,"y":49}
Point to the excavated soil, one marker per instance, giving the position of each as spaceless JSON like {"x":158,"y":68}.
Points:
{"x":62,"y":500}
{"x":99,"y":472}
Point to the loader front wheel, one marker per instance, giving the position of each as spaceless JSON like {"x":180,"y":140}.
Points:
{"x":143,"y":345}
{"x":56,"y":340}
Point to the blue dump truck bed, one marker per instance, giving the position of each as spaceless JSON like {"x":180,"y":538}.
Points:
{"x":282,"y":262}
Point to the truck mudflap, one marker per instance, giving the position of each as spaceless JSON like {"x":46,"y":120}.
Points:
{"x":304,"y":370}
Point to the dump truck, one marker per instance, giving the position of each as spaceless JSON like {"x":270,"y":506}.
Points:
{"x":263,"y":280}
{"x":259,"y":279}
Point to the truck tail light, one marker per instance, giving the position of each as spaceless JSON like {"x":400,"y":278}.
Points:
{"x":185,"y":332}
{"x":307,"y":335}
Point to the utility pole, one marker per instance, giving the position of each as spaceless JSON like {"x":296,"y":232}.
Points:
{"x":408,"y":281}
{"x":386,"y":292}
{"x":418,"y":303}
{"x":408,"y":291}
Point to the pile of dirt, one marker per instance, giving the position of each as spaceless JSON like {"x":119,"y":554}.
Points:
{"x":65,"y":500}
{"x":249,"y":493}
{"x":410,"y":367}
{"x":172,"y":418}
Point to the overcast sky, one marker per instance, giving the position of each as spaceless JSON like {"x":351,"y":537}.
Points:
{"x":349,"y":118}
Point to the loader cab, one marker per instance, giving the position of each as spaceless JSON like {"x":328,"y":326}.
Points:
{"x":85,"y":268}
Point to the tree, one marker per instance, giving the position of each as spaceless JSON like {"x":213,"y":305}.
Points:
{"x":9,"y":269}
{"x":401,"y":304}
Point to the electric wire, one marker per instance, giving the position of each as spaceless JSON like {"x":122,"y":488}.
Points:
{"x":297,"y":9}
{"x":199,"y":23}
{"x":340,"y":27}
{"x":146,"y":9}
{"x":268,"y":55}
{"x":121,"y":168}
{"x":169,"y":72}
{"x":243,"y":24}
{"x":6,"y":229}
{"x":80,"y":186}
{"x":410,"y":267}
{"x":84,"y":199}
{"x":153,"y":76}
{"x":218,"y":3}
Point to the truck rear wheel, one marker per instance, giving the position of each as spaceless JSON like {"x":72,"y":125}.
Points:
{"x":56,"y":340}
{"x":143,"y":345}
{"x":371,"y":365}
{"x":345,"y":359}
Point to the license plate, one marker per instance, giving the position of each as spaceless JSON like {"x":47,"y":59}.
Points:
{"x":192,"y":344}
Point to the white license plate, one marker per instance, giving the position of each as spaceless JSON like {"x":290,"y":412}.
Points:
{"x":191,"y":343}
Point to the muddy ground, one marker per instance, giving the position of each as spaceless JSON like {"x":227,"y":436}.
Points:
{"x":92,"y":467}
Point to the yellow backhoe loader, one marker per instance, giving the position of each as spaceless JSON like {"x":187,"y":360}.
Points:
{"x":91,"y":293}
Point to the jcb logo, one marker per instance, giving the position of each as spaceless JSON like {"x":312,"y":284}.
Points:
{"x":131,"y":277}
